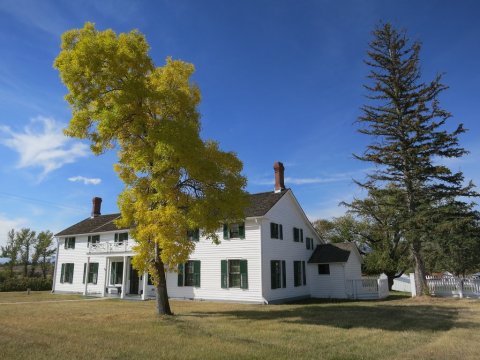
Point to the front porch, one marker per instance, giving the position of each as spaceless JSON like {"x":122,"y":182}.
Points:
{"x":121,"y":280}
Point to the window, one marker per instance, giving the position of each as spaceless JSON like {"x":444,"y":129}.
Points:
{"x":276,"y":231}
{"x":189,"y":273}
{"x":309,"y":243}
{"x":278,"y":274}
{"x":149,"y":280}
{"x":231,"y":231}
{"x":66,"y":275}
{"x":92,"y":273}
{"x":70,"y":243}
{"x":93,"y":239}
{"x":193,"y":235}
{"x":299,"y":276}
{"x":116,"y":272}
{"x":297,"y":235}
{"x":121,"y":237}
{"x":234,"y":274}
{"x":324,"y":269}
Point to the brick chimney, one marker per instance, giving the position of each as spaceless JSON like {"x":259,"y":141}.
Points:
{"x":279,"y":176}
{"x":96,"y":206}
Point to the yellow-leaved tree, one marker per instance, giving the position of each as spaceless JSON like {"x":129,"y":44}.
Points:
{"x":175,"y":182}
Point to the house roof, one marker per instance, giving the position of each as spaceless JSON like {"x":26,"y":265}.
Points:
{"x":259,"y":205}
{"x":90,"y":225}
{"x":331,"y":253}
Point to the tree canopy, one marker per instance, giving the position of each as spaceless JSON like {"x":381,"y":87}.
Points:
{"x":174,"y":180}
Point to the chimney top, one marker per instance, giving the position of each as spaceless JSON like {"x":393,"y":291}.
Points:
{"x":279,"y":176}
{"x":96,"y":206}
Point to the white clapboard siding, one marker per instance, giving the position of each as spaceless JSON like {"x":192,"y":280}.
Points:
{"x":328,"y":286}
{"x":78,"y":256}
{"x":353,"y":267}
{"x":210,"y":256}
{"x":286,"y":212}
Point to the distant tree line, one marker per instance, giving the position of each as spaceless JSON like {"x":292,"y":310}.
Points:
{"x":27,"y":252}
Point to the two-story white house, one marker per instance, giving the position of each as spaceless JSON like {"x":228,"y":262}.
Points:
{"x":274,"y":255}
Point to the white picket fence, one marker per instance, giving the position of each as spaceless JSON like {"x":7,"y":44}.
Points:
{"x":367,"y":288}
{"x":454,"y":287}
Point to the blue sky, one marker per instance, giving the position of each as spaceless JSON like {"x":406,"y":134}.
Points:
{"x":280,"y":80}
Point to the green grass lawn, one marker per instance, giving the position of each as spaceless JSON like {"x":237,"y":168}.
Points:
{"x":398,"y":328}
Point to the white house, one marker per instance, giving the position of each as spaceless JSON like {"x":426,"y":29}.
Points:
{"x":275,"y":255}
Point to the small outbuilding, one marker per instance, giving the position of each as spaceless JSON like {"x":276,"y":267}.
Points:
{"x":334,"y":269}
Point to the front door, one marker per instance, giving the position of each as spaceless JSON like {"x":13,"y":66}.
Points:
{"x":133,"y":280}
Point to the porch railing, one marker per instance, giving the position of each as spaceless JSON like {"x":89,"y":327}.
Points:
{"x":367,"y":288}
{"x":111,"y":247}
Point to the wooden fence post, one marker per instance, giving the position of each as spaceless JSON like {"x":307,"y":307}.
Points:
{"x":412,"y":285}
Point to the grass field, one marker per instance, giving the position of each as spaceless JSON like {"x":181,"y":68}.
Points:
{"x":398,"y":328}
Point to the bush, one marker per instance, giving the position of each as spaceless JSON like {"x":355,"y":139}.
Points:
{"x":4,"y":275}
{"x":22,"y":284}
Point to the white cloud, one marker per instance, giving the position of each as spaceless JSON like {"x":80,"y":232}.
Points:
{"x":85,"y":180}
{"x":311,"y":180}
{"x":7,"y":224}
{"x":43,"y":144}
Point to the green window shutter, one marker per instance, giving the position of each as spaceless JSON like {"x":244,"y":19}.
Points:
{"x":196,"y":235}
{"x":62,"y":274}
{"x":272,"y":231}
{"x":284,"y":274}
{"x":84,"y":271}
{"x":241,"y":230}
{"x":65,"y":243}
{"x":273,"y":274}
{"x":243,"y":274}
{"x":224,"y":277}
{"x":196,"y":271}
{"x":301,"y":235}
{"x":181,"y":267}
{"x":304,"y":273}
{"x":296,"y":277}
{"x":280,"y":229}
{"x":226,"y":233}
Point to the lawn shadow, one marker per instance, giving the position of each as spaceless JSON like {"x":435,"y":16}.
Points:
{"x":348,"y":315}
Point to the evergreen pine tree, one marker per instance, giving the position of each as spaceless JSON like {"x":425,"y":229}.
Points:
{"x":409,"y":135}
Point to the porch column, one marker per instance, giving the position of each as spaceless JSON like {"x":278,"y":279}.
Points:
{"x":124,"y":277}
{"x":144,"y":285}
{"x":87,"y":268}
{"x":105,"y":280}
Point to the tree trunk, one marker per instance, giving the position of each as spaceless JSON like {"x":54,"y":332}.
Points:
{"x":163,"y":305}
{"x":32,"y":270}
{"x":421,"y":286}
{"x":390,"y":277}
{"x":44,"y":270}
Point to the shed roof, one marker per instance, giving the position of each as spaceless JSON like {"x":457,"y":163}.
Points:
{"x":331,"y":253}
